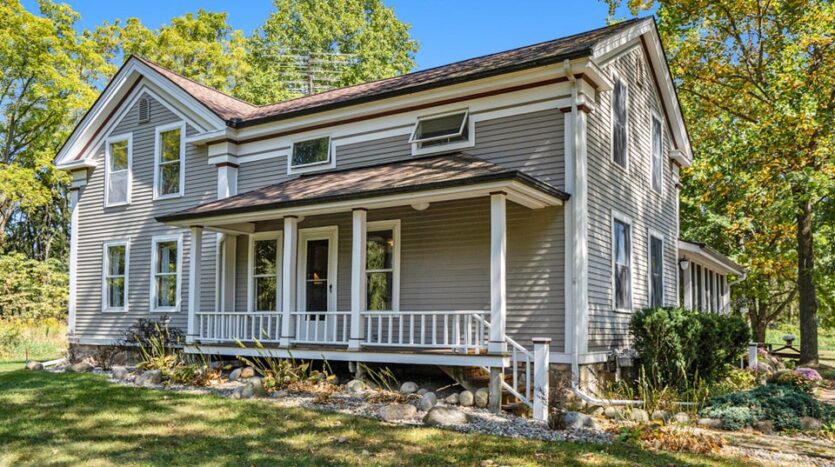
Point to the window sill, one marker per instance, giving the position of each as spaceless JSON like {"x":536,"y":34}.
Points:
{"x":623,"y":311}
{"x":167,"y":197}
{"x":314,"y":167}
{"x":116,"y":205}
{"x":165,"y":310}
{"x":441,"y":148}
{"x":114,"y":310}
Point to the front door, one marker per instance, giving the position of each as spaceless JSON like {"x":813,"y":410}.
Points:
{"x":317,"y":281}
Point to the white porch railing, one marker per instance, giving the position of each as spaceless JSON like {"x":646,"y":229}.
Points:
{"x":332,"y":327}
{"x":217,"y":326}
{"x":521,"y":363}
{"x":463,"y":331}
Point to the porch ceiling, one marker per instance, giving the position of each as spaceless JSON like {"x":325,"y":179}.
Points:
{"x":415,"y":181}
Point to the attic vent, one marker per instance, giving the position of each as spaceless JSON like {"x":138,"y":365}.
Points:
{"x":640,"y":71}
{"x":144,"y":110}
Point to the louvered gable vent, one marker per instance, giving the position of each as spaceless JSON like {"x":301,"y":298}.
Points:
{"x":144,"y":110}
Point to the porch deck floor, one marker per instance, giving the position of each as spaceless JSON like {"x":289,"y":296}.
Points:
{"x":343,"y":348}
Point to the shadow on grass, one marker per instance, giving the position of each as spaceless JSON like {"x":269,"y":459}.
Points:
{"x":80,"y":418}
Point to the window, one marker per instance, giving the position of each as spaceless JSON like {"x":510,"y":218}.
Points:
{"x":115,"y":276}
{"x":265,"y":260}
{"x":620,"y":116}
{"x":657,"y":160}
{"x":165,"y":272}
{"x":656,"y":271}
{"x":118,"y":158}
{"x":441,"y":132}
{"x":311,"y":152}
{"x":622,"y":233}
{"x":169,"y":171}
{"x":381,"y":265}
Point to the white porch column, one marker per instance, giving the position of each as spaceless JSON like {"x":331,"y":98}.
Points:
{"x":288,"y":278}
{"x":227,"y":245}
{"x":498,"y":272}
{"x":71,"y":302}
{"x":194,"y":272}
{"x":541,"y":377}
{"x":358,"y":259}
{"x":703,"y":286}
{"x":688,"y":287}
{"x":726,"y":295}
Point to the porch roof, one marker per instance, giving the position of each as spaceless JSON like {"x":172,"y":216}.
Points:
{"x":449,"y":176}
{"x":703,"y":253}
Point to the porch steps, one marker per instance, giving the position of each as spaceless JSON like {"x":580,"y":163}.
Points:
{"x":473,"y":378}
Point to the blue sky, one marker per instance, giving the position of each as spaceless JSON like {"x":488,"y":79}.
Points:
{"x":447,"y":30}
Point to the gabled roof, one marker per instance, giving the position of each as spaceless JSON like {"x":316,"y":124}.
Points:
{"x":408,"y":176}
{"x":706,"y":254}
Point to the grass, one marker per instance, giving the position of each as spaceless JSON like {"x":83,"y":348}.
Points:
{"x":38,"y":341}
{"x":80,"y":418}
{"x":826,"y":342}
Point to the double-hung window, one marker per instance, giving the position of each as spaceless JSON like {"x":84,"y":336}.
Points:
{"x":169,"y":172}
{"x":382,"y":256}
{"x":620,"y":127}
{"x":657,"y":173}
{"x":311,"y":154}
{"x":656,"y":271}
{"x":115,"y":265}
{"x":166,"y":268}
{"x":622,"y":262}
{"x":444,"y":131}
{"x":118,"y":159}
{"x":265,"y":251}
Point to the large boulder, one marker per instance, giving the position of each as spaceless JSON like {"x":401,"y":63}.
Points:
{"x":247,"y":372}
{"x":409,"y":387}
{"x":445,"y":416}
{"x":427,"y":401}
{"x":235,"y":374}
{"x":638,"y":415}
{"x":393,"y":412}
{"x":356,"y":386}
{"x":243,"y":392}
{"x":120,"y":373}
{"x":613,"y":412}
{"x":34,"y":366}
{"x":257,"y":385}
{"x":682,"y":418}
{"x":149,"y":378}
{"x":714,"y":423}
{"x":660,"y":416}
{"x":765,"y":427}
{"x":80,"y":367}
{"x":578,"y":421}
{"x":482,"y":397}
{"x":810,"y":424}
{"x":466,"y":399}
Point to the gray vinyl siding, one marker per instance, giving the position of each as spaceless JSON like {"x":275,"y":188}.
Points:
{"x":135,"y":223}
{"x":610,"y":188}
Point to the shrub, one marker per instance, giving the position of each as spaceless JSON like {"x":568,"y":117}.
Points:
{"x":286,"y":373}
{"x":734,"y":380}
{"x":782,"y":405}
{"x":732,"y":417}
{"x":11,"y":336}
{"x":797,"y":379}
{"x":31,"y":289}
{"x":677,"y":346}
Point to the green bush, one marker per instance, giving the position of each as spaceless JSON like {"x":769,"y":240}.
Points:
{"x":32,"y":290}
{"x":733,"y":417}
{"x":677,"y":346}
{"x":782,"y":405}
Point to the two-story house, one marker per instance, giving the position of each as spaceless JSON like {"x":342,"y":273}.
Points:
{"x":445,"y":217}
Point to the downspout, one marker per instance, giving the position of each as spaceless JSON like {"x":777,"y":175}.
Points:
{"x":741,"y":279}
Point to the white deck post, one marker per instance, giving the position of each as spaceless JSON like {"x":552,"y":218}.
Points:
{"x":358,"y":259}
{"x":726,"y":295}
{"x":73,"y":261}
{"x":752,"y":356}
{"x":288,"y":278}
{"x":688,"y":287}
{"x":541,"y":370}
{"x":498,"y":272}
{"x":194,"y":270}
{"x":227,"y":185}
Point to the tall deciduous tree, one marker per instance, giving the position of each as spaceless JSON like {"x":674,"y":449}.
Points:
{"x":757,"y":81}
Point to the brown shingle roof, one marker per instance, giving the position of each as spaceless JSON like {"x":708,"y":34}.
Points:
{"x":412,"y":175}
{"x":238,"y":113}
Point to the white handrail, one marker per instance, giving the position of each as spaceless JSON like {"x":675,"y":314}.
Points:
{"x":321,"y":327}
{"x":517,"y":349}
{"x":216,"y":326}
{"x":459,"y":330}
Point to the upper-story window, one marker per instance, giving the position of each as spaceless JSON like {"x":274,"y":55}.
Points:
{"x":169,"y":171}
{"x":310,"y":152}
{"x":622,"y":263}
{"x":443,"y":131}
{"x":620,"y":129}
{"x":657,"y":173}
{"x":118,"y":159}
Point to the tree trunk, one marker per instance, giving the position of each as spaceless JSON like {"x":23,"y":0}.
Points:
{"x":806,"y":285}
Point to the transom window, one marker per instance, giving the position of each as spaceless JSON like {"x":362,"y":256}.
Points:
{"x":265,"y":279}
{"x":656,"y":271}
{"x":165,"y":280}
{"x":118,"y":165}
{"x":115,"y":280}
{"x":622,"y":248}
{"x":169,"y":170}
{"x":311,"y":152}
{"x":381,"y":268}
{"x":620,"y":135}
{"x":657,"y":159}
{"x":439,"y":130}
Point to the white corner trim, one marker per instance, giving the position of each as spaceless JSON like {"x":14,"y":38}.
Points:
{"x":107,"y":171}
{"x":105,"y":262}
{"x":158,"y":159}
{"x":156,"y":239}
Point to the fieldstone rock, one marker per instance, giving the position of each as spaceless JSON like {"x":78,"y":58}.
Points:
{"x":714,"y":423}
{"x":660,"y":415}
{"x":578,"y":421}
{"x":356,"y":386}
{"x":427,"y":401}
{"x":765,"y":427}
{"x":149,"y":378}
{"x":243,"y":392}
{"x":421,"y":391}
{"x":764,"y":367}
{"x":235,"y":374}
{"x":612,"y":412}
{"x":394,"y":412}
{"x":466,"y":398}
{"x":257,"y":387}
{"x":409,"y":387}
{"x":482,"y":397}
{"x":247,"y":372}
{"x":445,"y":416}
{"x":682,"y":418}
{"x":777,"y":374}
{"x":638,"y":415}
{"x":809,"y":424}
{"x":34,"y":366}
{"x":80,"y":367}
{"x":596,"y":411}
{"x":120,"y":358}
{"x":452,"y":399}
{"x":120,"y":373}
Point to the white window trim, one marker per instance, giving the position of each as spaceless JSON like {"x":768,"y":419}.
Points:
{"x":104,"y":268}
{"x":107,"y":142}
{"x":394,"y":226}
{"x":276,"y":235}
{"x":154,"y":241}
{"x":653,"y":115}
{"x":158,"y":158}
{"x":657,"y":235}
{"x":616,"y":77}
{"x":617,"y":216}
{"x":417,"y":150}
{"x":330,"y":233}
{"x":329,"y":163}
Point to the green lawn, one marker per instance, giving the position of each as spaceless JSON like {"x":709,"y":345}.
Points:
{"x":80,"y":418}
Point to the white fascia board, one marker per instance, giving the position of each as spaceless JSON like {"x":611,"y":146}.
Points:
{"x":705,"y":257}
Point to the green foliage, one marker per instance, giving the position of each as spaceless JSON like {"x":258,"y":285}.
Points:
{"x":678,"y":346}
{"x":796,"y":380}
{"x":30,"y":289}
{"x":782,"y":405}
{"x":285,"y":373}
{"x":734,"y":380}
{"x":383,"y":378}
{"x":41,"y":339}
{"x":733,"y":417}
